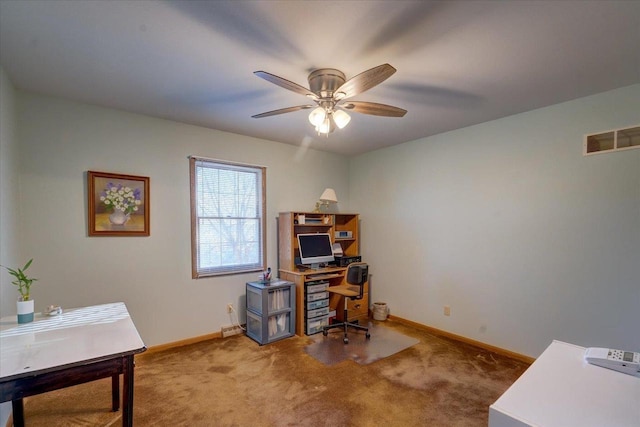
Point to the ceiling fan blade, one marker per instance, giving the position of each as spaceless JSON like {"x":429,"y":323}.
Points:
{"x":374,"y":109}
{"x":364,"y":81}
{"x":285,"y":83}
{"x":282,"y":111}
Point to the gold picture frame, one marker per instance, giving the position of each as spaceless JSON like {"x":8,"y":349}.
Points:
{"x":118,"y":204}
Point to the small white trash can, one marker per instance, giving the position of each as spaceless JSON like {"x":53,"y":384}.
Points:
{"x":380,"y":310}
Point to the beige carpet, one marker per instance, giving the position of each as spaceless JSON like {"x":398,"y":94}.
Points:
{"x":236,"y":382}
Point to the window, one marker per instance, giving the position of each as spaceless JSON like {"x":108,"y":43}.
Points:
{"x":227,"y":217}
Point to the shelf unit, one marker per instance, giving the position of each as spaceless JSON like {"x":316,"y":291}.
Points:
{"x":290,"y":224}
{"x":348,"y":223}
{"x":271,"y":310}
{"x":316,"y":312}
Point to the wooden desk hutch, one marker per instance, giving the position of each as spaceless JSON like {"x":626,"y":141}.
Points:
{"x":311,"y":308}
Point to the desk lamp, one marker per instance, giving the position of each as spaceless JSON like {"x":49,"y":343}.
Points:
{"x":328,"y":196}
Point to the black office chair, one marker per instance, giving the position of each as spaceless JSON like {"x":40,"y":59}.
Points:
{"x":357,"y":275}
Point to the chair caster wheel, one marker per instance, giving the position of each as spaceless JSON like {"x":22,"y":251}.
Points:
{"x":368,"y":335}
{"x":325,"y":333}
{"x":345,"y":340}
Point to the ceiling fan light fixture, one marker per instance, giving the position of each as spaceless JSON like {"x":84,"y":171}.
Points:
{"x":341,"y":118}
{"x":329,"y":88}
{"x":318,"y":116}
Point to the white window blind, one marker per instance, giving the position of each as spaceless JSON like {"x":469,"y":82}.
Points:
{"x":227,"y":217}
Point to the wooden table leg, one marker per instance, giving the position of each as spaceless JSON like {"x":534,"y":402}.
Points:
{"x":115,"y":392}
{"x":127,"y":391}
{"x":18,"y":412}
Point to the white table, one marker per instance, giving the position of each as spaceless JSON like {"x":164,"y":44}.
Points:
{"x":78,"y":346}
{"x":560,"y":389}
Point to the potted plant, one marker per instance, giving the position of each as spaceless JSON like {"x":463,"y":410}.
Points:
{"x":23,"y":282}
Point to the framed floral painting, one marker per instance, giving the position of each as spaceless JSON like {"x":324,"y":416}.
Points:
{"x":118,"y":204}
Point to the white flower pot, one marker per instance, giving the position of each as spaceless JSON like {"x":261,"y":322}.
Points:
{"x":25,"y":311}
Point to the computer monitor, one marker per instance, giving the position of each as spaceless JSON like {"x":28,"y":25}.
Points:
{"x":315,"y":248}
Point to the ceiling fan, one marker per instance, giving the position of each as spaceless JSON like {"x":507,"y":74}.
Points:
{"x":329,"y":89}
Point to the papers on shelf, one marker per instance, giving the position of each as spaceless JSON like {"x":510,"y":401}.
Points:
{"x":277,"y":324}
{"x":337,"y":250}
{"x":278,"y":300}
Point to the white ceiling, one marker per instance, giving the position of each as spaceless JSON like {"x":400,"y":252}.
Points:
{"x":459,"y":62}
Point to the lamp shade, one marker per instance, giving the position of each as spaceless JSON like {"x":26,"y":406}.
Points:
{"x":317,"y":116}
{"x":329,"y":195}
{"x":341,"y":118}
{"x":324,"y":127}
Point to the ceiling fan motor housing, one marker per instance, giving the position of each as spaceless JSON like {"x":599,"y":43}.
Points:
{"x":325,"y":81}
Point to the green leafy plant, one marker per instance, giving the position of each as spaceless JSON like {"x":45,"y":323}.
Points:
{"x":22,"y":281}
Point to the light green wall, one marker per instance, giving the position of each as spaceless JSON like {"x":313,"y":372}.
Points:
{"x":61,"y":140}
{"x":9,"y":204}
{"x":511,"y":226}
{"x":9,"y":244}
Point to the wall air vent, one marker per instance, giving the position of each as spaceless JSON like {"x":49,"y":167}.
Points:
{"x":613,"y":140}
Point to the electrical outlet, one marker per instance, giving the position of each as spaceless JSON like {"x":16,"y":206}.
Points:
{"x":447,"y":310}
{"x":230,"y":308}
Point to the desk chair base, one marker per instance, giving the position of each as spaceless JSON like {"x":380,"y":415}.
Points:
{"x":345,"y":326}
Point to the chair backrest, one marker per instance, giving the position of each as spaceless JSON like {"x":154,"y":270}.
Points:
{"x":357,"y":274}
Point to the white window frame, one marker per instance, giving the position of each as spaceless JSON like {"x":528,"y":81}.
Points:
{"x":196,"y":165}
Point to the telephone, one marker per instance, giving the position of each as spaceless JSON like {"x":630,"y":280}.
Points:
{"x":627,"y":362}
